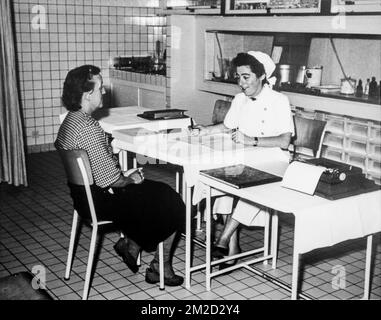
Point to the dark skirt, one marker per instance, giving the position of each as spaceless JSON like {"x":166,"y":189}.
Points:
{"x":148,"y":213}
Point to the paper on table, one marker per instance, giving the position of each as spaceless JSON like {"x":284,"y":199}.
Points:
{"x":302,"y":177}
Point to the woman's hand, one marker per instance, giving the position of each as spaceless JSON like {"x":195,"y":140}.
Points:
{"x":198,"y":130}
{"x":239,"y":137}
{"x":137,"y":175}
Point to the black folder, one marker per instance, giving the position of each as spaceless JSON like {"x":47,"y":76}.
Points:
{"x":240,"y":176}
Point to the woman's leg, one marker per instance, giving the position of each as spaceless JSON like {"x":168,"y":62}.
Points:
{"x":170,"y":278}
{"x":229,"y":235}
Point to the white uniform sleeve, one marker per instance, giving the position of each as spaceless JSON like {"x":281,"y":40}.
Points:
{"x":285,"y":121}
{"x":232,"y":117}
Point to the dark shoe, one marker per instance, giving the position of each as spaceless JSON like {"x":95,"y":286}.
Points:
{"x":153,"y":277}
{"x":225,"y":265}
{"x":219,"y":252}
{"x":121,"y":248}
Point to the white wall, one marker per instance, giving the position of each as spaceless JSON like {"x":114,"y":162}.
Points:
{"x":184,"y":93}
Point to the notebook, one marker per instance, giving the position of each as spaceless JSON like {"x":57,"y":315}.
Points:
{"x":240,"y":176}
{"x":135,"y":135}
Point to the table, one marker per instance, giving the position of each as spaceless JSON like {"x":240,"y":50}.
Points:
{"x":318,"y":222}
{"x":321,"y":221}
{"x":194,"y":154}
{"x":111,"y":119}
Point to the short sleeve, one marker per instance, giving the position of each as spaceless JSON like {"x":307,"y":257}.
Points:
{"x":104,"y":166}
{"x":285,"y":121}
{"x":232,"y":117}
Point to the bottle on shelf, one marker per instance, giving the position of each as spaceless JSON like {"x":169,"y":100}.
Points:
{"x":359,"y":89}
{"x":366,"y":89}
{"x":373,"y":88}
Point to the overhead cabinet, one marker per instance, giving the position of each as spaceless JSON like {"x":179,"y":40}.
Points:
{"x":261,"y":7}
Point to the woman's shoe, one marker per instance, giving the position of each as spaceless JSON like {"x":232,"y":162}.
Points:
{"x":121,"y":248}
{"x":153,"y":277}
{"x":225,"y":265}
{"x":219,"y":252}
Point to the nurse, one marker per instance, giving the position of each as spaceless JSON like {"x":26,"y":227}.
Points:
{"x":261,"y":117}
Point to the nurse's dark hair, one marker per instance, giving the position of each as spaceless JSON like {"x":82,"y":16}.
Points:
{"x":245,"y":59}
{"x":77,"y":82}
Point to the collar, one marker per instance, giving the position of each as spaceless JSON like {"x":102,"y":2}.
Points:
{"x":261,"y":95}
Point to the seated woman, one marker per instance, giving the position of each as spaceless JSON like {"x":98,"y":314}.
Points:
{"x":262,"y":117}
{"x":147,"y":212}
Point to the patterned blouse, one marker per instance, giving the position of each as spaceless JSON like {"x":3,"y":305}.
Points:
{"x":81,"y":131}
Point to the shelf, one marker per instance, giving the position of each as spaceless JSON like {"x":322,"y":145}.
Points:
{"x":336,"y":95}
{"x":308,"y":102}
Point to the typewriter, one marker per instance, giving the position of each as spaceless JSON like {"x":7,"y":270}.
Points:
{"x":341,"y":180}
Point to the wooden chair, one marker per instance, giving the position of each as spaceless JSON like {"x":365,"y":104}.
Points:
{"x":78,"y":171}
{"x":308,"y":137}
{"x":221,"y":108}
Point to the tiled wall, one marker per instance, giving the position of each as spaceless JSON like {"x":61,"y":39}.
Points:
{"x":54,"y":36}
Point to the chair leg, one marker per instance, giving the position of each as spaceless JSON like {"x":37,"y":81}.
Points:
{"x":90,"y":262}
{"x":161,"y":265}
{"x":71,"y":245}
{"x":139,"y":259}
{"x":198,"y":228}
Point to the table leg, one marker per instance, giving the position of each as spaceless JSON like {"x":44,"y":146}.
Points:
{"x":208,"y":258}
{"x":266,"y":237}
{"x":135,"y":163}
{"x":178,"y":182}
{"x":274,"y":237}
{"x":295,"y":276}
{"x":368,"y":261}
{"x":188,"y":238}
{"x":123,"y":160}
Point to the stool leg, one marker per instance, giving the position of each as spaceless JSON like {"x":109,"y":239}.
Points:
{"x":161,"y":265}
{"x":90,"y":262}
{"x":71,"y":245}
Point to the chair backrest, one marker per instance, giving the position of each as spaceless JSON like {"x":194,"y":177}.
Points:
{"x":78,"y":172}
{"x":308,"y":134}
{"x":221,"y":108}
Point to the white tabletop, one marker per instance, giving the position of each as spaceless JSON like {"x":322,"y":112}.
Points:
{"x":318,"y":222}
{"x":112,"y":119}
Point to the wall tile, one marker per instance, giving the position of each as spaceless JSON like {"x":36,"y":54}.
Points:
{"x":77,"y":32}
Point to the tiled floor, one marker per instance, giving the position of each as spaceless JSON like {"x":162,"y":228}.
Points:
{"x":35,"y":225}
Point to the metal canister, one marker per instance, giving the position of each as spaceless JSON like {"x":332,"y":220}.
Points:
{"x":313,"y":75}
{"x":301,"y":76}
{"x":284,"y":70}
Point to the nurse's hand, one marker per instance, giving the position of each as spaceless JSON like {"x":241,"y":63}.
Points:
{"x":239,"y":137}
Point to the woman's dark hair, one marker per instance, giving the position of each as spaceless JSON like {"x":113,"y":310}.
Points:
{"x":77,"y":82}
{"x":245,"y":59}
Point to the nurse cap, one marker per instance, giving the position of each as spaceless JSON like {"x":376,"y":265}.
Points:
{"x":267,"y":62}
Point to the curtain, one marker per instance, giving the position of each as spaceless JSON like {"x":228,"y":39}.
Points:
{"x":12,"y":152}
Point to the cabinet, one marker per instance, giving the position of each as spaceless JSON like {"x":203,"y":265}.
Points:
{"x":193,"y":6}
{"x":273,"y":6}
{"x":137,"y":89}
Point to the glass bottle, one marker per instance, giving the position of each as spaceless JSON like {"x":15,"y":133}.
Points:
{"x":359,"y":89}
{"x":366,"y":89}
